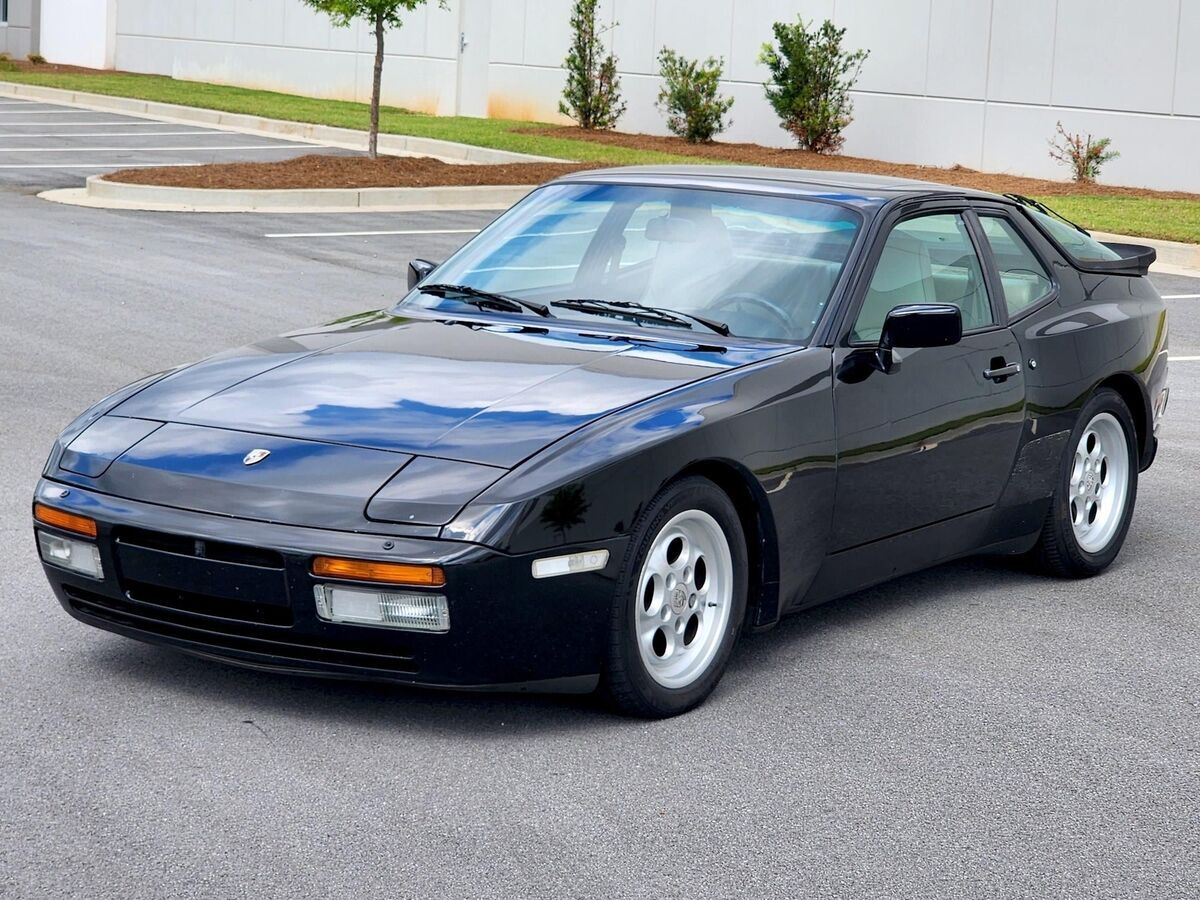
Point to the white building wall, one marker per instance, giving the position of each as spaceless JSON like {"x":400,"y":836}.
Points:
{"x":84,"y":33}
{"x":974,"y":82}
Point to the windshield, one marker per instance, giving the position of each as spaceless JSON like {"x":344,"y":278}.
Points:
{"x":656,"y":257}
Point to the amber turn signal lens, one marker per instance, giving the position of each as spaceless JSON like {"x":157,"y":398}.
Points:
{"x":59,"y":518}
{"x":381,"y":572}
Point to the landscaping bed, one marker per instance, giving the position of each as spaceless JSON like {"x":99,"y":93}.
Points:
{"x":328,"y":171}
{"x":1124,"y":210}
{"x":758,"y":155}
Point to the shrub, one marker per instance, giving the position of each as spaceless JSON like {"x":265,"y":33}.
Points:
{"x":592,"y":96}
{"x":36,"y":58}
{"x":1084,"y":155}
{"x":811,"y":77}
{"x":691,"y":96}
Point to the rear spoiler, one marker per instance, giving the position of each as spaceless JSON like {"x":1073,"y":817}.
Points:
{"x":1135,"y":259}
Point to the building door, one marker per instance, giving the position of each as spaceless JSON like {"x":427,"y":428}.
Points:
{"x":474,"y":33}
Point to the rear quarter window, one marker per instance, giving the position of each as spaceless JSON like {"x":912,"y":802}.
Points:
{"x":1075,"y":243}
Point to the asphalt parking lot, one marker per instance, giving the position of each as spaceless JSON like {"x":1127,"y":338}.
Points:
{"x":50,"y":145}
{"x":972,"y":731}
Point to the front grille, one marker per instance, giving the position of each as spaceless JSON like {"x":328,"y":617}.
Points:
{"x":218,"y":551}
{"x":217,"y":633}
{"x":208,"y":607}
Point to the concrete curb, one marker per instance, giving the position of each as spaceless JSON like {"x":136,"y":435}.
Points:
{"x":102,"y":194}
{"x":344,"y":138}
{"x":1174,"y":258}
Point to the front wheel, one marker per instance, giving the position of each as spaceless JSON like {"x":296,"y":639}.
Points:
{"x":680,"y":604}
{"x":1090,"y":513}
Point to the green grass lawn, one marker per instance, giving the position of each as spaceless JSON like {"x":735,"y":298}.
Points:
{"x":502,"y":134}
{"x":1172,"y":220}
{"x":1177,"y":220}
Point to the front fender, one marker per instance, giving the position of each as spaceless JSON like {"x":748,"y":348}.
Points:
{"x":772,"y":422}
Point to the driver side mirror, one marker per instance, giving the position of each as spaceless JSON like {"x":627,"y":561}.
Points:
{"x":418,"y":271}
{"x":910,"y":325}
{"x":922,"y":325}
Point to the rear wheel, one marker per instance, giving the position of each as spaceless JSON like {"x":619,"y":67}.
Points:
{"x":680,"y":604}
{"x":1090,"y":513}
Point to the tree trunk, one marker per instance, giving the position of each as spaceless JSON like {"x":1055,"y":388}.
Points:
{"x":376,"y":84}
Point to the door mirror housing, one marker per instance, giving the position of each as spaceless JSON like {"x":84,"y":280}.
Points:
{"x":922,"y":325}
{"x":418,"y":271}
{"x":911,"y":325}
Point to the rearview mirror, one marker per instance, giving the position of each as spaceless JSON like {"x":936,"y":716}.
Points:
{"x":418,"y":271}
{"x":922,"y":325}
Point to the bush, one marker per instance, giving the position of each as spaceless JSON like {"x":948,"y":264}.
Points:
{"x":592,"y":96}
{"x":36,"y":58}
{"x":1084,"y":155}
{"x":691,"y":96}
{"x":811,"y":77}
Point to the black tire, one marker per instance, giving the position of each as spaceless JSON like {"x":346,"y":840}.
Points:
{"x":626,"y":684}
{"x":1058,"y":552}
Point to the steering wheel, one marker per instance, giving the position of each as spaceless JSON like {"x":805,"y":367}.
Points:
{"x":735,"y":299}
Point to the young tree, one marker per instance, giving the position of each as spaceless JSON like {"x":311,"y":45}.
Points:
{"x":1082,"y":153}
{"x":382,"y":14}
{"x":691,"y":96}
{"x":592,"y":96}
{"x":811,"y":77}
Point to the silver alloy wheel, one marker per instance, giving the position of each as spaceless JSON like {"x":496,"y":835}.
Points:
{"x":685,"y":594}
{"x":1099,"y":483}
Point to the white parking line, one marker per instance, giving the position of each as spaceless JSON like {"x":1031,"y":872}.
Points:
{"x":1181,"y":296}
{"x":1184,"y":358}
{"x":107,"y":165}
{"x":106,"y":134}
{"x":43,"y":112}
{"x":148,"y":149}
{"x":93,"y":122}
{"x":317,"y":234}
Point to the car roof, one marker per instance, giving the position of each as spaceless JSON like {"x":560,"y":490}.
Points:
{"x":856,"y":186}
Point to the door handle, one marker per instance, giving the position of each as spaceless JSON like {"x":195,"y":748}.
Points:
{"x":1002,"y":372}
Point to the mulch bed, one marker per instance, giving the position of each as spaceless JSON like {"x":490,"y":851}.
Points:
{"x":323,"y":171}
{"x":757,"y":155}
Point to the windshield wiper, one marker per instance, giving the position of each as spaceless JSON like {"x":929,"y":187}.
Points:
{"x":643,"y":312}
{"x":485,"y":299}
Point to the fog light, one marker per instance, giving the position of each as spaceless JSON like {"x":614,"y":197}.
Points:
{"x":588,"y":561}
{"x":390,"y":609}
{"x":78,"y":556}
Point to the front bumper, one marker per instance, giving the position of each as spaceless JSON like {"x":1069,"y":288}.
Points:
{"x":251,"y":601}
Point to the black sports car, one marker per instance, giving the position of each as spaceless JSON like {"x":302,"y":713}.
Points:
{"x":643,"y":411}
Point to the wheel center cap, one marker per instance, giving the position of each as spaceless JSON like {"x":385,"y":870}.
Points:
{"x":1089,"y":482}
{"x":678,"y":599}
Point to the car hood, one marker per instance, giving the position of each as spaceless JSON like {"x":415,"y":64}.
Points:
{"x":491,"y":394}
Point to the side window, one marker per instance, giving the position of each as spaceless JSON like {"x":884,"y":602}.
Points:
{"x":929,"y":259}
{"x":1022,"y":274}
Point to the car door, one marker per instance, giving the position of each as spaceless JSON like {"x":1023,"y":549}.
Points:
{"x":934,"y":437}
